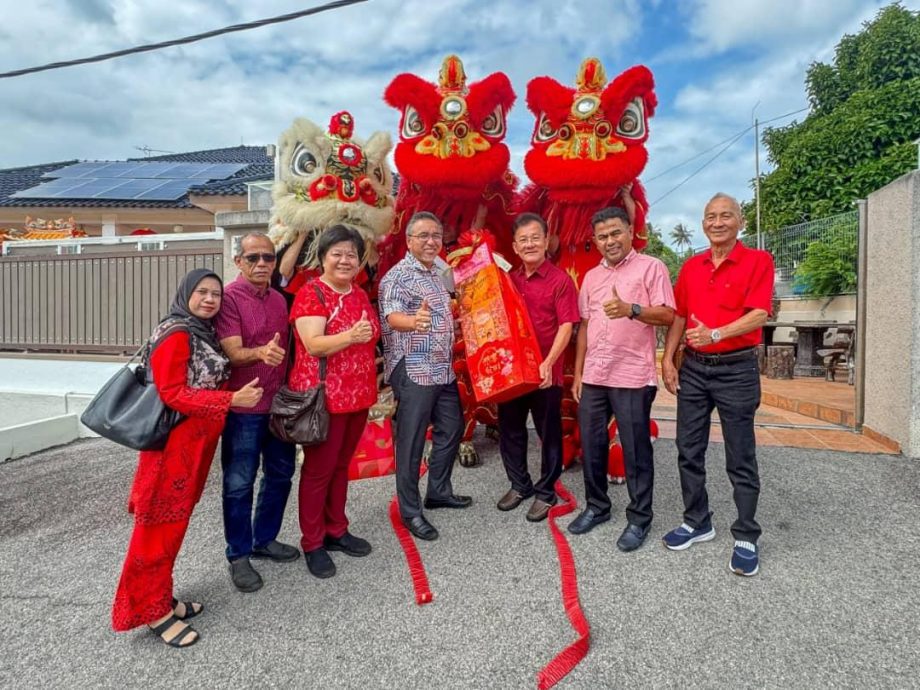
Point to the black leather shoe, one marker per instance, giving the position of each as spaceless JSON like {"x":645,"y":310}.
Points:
{"x":587,"y":521}
{"x":348,"y":544}
{"x":245,"y":578}
{"x":453,"y":501}
{"x":632,"y":538}
{"x":276,"y":551}
{"x":421,"y":528}
{"x":319,"y":564}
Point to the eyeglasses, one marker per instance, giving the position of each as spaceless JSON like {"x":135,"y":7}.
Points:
{"x":254,"y":258}
{"x":526,"y":241}
{"x":424,"y":236}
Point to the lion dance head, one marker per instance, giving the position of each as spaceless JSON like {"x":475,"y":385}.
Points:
{"x":331,"y":177}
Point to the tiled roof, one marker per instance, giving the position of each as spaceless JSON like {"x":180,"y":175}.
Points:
{"x":233,"y":154}
{"x":257,"y":172}
{"x":260,"y":167}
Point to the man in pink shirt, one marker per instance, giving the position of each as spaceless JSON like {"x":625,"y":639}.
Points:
{"x":621,"y":301}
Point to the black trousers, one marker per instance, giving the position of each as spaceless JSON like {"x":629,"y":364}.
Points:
{"x":734,"y":390}
{"x":546,"y":407}
{"x":632,"y":408}
{"x":418,"y":406}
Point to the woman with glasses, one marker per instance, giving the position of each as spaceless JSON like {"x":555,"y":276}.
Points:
{"x":336,"y":323}
{"x":190,"y":372}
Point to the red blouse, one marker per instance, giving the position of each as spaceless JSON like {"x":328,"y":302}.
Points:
{"x":351,"y":374}
{"x":169,"y":482}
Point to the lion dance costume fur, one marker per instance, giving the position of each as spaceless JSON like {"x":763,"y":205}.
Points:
{"x":330,"y":177}
{"x":452,"y":162}
{"x":587,"y":147}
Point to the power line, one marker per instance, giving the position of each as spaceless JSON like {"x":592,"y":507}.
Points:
{"x":699,"y":169}
{"x":715,"y":146}
{"x":182,"y":41}
{"x":728,"y":144}
{"x":701,"y":153}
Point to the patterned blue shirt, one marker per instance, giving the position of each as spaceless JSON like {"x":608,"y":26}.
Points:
{"x":428,"y":355}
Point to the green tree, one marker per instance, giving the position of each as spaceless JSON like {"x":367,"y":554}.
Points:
{"x":682,"y":238}
{"x":858,"y":137}
{"x":829,"y":267}
{"x":657,"y":248}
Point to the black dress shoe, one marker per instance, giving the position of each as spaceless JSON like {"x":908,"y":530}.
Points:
{"x":276,"y":551}
{"x":319,"y":564}
{"x":348,"y":544}
{"x":632,"y":538}
{"x":421,"y":528}
{"x":452,"y":501}
{"x":587,"y":521}
{"x":245,"y":578}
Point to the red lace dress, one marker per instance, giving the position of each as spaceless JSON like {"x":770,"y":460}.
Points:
{"x":167,"y":485}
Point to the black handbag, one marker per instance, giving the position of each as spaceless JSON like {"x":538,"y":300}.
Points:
{"x":128,"y":410}
{"x":301,"y":416}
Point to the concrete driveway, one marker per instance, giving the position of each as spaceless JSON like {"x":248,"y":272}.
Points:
{"x":836,"y":603}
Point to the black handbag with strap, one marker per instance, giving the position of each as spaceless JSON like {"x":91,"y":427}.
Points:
{"x":301,"y":416}
{"x":129,"y":411}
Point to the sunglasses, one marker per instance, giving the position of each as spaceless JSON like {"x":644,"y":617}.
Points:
{"x":254,"y":258}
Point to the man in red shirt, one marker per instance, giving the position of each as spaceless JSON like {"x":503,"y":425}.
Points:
{"x":552,"y":303}
{"x":723,"y":299}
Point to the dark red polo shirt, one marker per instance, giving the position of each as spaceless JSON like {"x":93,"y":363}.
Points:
{"x":718,"y":296}
{"x":551,"y":300}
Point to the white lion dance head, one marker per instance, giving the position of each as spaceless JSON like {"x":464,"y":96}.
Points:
{"x":327,"y":178}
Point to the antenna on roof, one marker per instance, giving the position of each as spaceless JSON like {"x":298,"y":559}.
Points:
{"x":147,"y":150}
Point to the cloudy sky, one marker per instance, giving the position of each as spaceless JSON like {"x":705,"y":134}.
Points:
{"x":713,"y":60}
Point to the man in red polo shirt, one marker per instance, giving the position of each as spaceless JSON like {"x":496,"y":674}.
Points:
{"x":552,"y":303}
{"x":723,"y":299}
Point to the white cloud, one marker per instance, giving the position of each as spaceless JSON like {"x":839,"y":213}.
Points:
{"x":248,"y":86}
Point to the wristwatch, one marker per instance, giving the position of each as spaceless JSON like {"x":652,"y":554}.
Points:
{"x":634,"y":311}
{"x":715,"y":335}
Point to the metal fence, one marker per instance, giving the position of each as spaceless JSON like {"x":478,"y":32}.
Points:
{"x":832,"y":242}
{"x":94,"y":302}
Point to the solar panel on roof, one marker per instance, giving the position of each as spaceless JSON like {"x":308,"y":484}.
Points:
{"x":128,"y":180}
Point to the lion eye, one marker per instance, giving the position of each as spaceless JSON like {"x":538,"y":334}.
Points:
{"x":632,"y":121}
{"x":412,"y":123}
{"x":303,"y":163}
{"x":494,"y":124}
{"x":545,"y":130}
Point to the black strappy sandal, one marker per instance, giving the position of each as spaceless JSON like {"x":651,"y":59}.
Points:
{"x":190,"y":610}
{"x":180,"y":637}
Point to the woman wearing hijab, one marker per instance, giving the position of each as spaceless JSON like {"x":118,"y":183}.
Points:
{"x":189,"y":369}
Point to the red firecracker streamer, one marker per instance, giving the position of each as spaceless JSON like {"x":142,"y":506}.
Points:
{"x":423,"y":593}
{"x":572,"y":655}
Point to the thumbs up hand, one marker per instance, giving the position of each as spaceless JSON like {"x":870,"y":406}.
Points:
{"x":247,"y":396}
{"x":616,"y":308}
{"x":699,"y":335}
{"x":362,"y":331}
{"x":423,"y":317}
{"x":271,"y":352}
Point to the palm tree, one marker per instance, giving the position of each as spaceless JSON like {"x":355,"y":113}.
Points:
{"x":681,"y":236}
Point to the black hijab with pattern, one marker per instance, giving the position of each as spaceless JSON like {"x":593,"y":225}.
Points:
{"x":180,"y":318}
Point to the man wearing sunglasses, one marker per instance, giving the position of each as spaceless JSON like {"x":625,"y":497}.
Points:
{"x":253,"y":329}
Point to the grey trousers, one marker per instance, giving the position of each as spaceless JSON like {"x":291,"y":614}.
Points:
{"x":419,"y":406}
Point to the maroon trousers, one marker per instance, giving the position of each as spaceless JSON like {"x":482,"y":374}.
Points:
{"x":324,"y":480}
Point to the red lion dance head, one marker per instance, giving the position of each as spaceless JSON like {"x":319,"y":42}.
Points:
{"x":588,"y":143}
{"x":451,"y":157}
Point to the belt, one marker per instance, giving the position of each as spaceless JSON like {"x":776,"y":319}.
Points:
{"x":721,"y":357}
